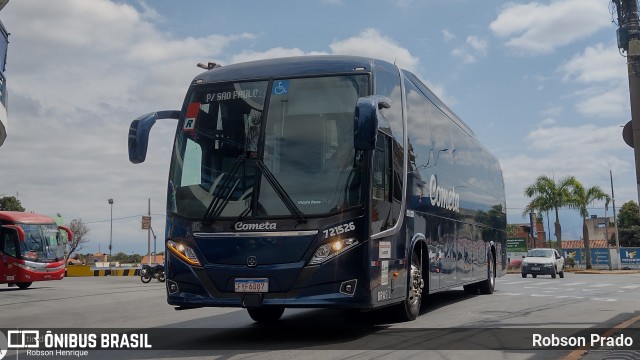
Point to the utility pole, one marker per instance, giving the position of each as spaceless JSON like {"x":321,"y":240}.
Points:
{"x":149,"y":235}
{"x":615,"y":221}
{"x":628,"y":35}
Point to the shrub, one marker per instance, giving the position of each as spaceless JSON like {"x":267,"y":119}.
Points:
{"x":515,"y":264}
{"x":569,"y":262}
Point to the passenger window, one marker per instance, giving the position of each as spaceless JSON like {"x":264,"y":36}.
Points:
{"x":382,"y":169}
{"x":9,"y":246}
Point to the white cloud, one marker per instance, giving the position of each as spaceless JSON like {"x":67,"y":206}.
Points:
{"x":478,"y":44}
{"x":79,"y":72}
{"x":548,"y":122}
{"x":587,"y":152}
{"x":588,"y":139}
{"x":371,"y":43}
{"x":473,"y":49}
{"x":270,"y":53}
{"x":602,"y":76}
{"x":536,"y":28}
{"x":610,"y":102}
{"x":596,"y":64}
{"x":448,"y":35}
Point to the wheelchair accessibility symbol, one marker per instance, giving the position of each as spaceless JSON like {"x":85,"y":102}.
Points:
{"x":281,"y":87}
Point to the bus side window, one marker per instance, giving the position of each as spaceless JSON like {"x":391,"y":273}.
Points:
{"x":9,"y":244}
{"x":382,"y":169}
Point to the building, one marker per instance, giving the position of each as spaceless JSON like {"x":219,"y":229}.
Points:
{"x":155,"y":259}
{"x":600,"y":228}
{"x":522,"y":231}
{"x":99,"y":258}
{"x":579,"y":244}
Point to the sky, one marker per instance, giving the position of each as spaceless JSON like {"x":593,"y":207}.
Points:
{"x":541,"y":83}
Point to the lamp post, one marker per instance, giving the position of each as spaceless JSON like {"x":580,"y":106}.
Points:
{"x":110,"y":234}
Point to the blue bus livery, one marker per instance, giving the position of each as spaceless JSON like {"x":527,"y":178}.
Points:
{"x":324,"y":182}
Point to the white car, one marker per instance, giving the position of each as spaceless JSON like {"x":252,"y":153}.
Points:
{"x":543,"y":262}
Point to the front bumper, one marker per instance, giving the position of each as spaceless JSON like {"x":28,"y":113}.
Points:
{"x":290,"y":285}
{"x":538,"y":269}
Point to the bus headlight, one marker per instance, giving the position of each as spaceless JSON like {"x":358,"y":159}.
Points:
{"x":184,"y":252}
{"x":330,"y":250}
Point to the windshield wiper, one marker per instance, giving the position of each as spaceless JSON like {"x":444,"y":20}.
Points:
{"x":223,"y":194}
{"x":282,"y":194}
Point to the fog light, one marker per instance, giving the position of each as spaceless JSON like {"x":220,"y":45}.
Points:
{"x":348,"y":287}
{"x":173,"y":287}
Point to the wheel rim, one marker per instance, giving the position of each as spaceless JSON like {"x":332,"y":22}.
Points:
{"x":417,"y":283}
{"x":492,"y":277}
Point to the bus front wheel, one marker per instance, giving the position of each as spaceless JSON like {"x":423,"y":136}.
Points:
{"x":266,"y":314}
{"x":409,"y":309}
{"x":24,"y":285}
{"x":488,"y":286}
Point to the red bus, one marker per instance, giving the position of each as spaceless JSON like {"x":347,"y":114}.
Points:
{"x":32,"y":248}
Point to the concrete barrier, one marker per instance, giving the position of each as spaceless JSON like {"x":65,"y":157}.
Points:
{"x":86,"y":270}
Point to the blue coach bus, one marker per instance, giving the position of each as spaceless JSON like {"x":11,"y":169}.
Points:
{"x":324,"y":182}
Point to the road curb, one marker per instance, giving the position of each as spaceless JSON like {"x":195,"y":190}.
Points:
{"x":76,"y":271}
{"x":581,"y":352}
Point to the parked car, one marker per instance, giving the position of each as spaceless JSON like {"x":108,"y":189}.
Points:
{"x":543,"y":262}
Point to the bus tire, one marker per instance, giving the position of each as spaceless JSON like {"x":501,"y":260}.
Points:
{"x":489,"y":285}
{"x":266,"y":314}
{"x":409,"y":309}
{"x":24,"y":285}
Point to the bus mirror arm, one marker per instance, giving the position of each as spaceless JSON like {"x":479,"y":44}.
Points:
{"x":138,"y":140}
{"x":68,"y":231}
{"x":365,"y":126}
{"x":17,"y":230}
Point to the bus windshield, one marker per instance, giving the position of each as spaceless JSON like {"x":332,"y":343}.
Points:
{"x":42,"y":243}
{"x":263,"y":148}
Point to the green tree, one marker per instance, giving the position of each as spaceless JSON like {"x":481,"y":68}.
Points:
{"x":10,"y":203}
{"x":80,"y":232}
{"x":581,"y":198}
{"x":629,"y":224}
{"x":628,"y":215}
{"x":547,"y":195}
{"x":120,"y":257}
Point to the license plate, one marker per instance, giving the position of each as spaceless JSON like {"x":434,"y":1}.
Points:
{"x":535,"y":268}
{"x":252,"y":285}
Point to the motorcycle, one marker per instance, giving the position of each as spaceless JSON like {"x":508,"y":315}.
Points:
{"x":152,"y":272}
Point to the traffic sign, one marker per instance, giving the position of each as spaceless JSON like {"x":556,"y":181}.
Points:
{"x":146,"y":222}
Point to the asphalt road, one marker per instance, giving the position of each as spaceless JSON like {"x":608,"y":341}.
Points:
{"x":579,"y":301}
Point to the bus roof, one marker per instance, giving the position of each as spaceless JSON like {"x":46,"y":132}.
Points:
{"x":25,"y":217}
{"x":287,"y":67}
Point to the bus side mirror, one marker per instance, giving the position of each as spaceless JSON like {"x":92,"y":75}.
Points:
{"x":68,"y":231}
{"x":365,"y":126}
{"x":139,"y":133}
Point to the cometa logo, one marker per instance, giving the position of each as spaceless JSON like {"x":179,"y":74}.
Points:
{"x":259,"y":226}
{"x":443,"y":197}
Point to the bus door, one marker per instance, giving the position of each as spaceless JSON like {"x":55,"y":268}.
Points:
{"x":387,"y":252}
{"x":9,"y":245}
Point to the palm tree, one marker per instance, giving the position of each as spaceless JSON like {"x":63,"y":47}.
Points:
{"x":580,"y":199}
{"x":548,"y":195}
